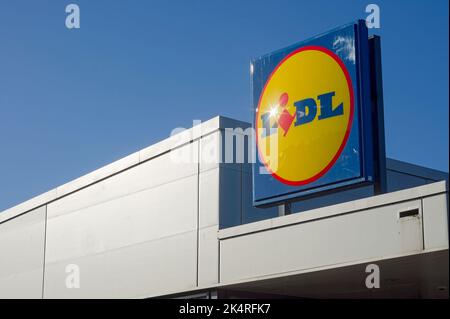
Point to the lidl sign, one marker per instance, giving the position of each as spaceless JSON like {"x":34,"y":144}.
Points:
{"x":313,"y":116}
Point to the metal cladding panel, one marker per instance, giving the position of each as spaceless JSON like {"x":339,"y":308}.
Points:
{"x":151,"y":268}
{"x":209,"y":195}
{"x":208,"y":256}
{"x":166,"y":168}
{"x":313,"y":117}
{"x":372,"y":233}
{"x":22,"y":242}
{"x":134,"y":234}
{"x":435,"y":223}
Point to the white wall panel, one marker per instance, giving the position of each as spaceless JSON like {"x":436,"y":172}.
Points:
{"x":373,"y":233}
{"x":209,"y":198}
{"x":98,"y":174}
{"x":162,"y":266}
{"x":22,"y":255}
{"x":211,"y":148}
{"x":158,"y":212}
{"x":163,"y":169}
{"x":208,"y":256}
{"x":435,"y":221}
{"x":131,"y":235}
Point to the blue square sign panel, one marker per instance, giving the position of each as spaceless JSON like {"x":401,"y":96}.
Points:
{"x":312,"y":119}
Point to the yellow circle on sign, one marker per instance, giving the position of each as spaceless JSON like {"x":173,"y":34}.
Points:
{"x":304,"y":115}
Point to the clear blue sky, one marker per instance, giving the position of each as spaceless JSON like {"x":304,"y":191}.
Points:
{"x":72,"y":101}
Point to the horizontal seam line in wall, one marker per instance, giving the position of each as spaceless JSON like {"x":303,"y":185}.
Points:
{"x":121,"y":196}
{"x":327,"y":217}
{"x":193,"y":230}
{"x":18,"y":215}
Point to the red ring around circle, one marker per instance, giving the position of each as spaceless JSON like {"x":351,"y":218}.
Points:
{"x":349,"y":125}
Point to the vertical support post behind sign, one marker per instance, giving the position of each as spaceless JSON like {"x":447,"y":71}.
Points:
{"x":376,"y":81}
{"x":284,"y":209}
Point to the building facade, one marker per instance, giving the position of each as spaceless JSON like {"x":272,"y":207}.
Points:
{"x":177,"y":220}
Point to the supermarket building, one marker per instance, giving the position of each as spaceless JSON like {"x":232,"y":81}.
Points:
{"x":148,"y":226}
